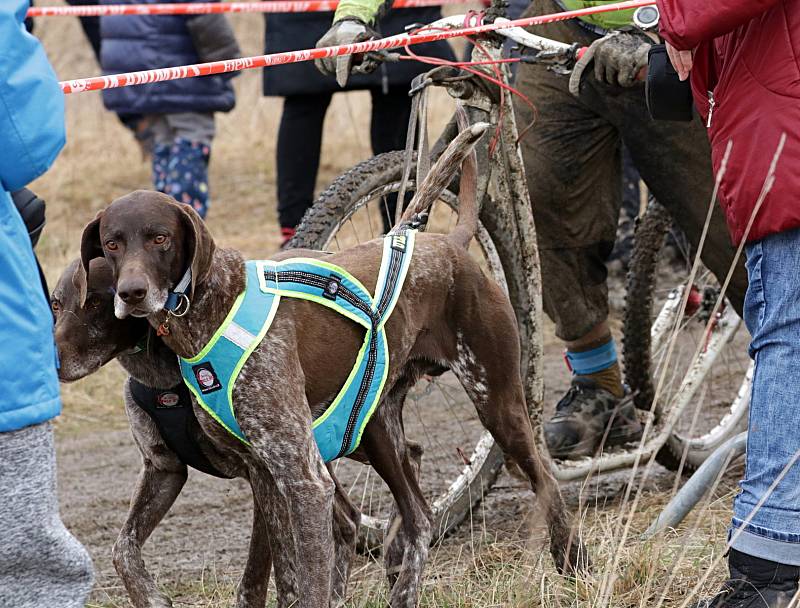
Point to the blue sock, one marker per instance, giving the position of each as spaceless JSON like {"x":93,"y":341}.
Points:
{"x":600,"y":365}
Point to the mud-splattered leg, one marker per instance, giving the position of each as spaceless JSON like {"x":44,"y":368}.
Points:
{"x":156,"y":491}
{"x":252,"y":591}
{"x":346,"y":519}
{"x":294,"y":491}
{"x":484,"y":364}
{"x":407,"y":553}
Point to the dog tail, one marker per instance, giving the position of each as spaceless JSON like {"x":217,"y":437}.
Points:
{"x":459,"y":153}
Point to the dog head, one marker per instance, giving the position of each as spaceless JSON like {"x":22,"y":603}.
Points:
{"x":149,"y":241}
{"x":88,"y":335}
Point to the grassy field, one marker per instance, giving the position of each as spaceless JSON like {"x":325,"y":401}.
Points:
{"x":497,"y":558}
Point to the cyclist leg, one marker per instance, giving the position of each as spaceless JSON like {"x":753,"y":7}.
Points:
{"x":391,"y":112}
{"x":573,"y":165}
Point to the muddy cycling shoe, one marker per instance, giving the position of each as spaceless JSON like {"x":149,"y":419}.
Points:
{"x":754,"y":583}
{"x":582,"y":417}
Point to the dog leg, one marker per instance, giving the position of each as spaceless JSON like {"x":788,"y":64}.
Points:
{"x":155,"y":493}
{"x":487,"y":374}
{"x":295,"y":492}
{"x":252,"y":591}
{"x":396,"y":541}
{"x":384,"y":443}
{"x":346,"y":519}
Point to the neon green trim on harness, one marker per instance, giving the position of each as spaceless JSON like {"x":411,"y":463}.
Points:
{"x":211,"y":375}
{"x":196,"y":392}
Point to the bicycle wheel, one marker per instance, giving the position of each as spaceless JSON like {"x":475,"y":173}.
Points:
{"x":716,"y":384}
{"x":460,"y":460}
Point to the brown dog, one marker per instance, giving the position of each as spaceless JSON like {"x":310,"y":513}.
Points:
{"x":89,"y":336}
{"x":449,"y":315}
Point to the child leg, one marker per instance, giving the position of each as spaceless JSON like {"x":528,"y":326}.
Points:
{"x":180,"y":158}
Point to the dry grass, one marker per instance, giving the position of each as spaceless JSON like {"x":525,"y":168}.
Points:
{"x":509,"y":570}
{"x":102,"y":162}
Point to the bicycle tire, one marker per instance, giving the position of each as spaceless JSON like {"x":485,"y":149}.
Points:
{"x":651,"y":233}
{"x":334,"y":204}
{"x":650,"y":237}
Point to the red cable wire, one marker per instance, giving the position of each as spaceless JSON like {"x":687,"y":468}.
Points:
{"x":465,"y":65}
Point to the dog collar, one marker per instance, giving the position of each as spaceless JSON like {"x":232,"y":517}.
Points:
{"x":177,"y":301}
{"x":140,"y":346}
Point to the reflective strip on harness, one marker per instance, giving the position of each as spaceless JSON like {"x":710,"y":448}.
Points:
{"x":212,"y":374}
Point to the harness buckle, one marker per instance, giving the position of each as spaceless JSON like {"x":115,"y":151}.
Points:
{"x":399,"y":242}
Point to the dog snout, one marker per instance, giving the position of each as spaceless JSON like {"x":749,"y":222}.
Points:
{"x":71,"y":348}
{"x":132,"y":290}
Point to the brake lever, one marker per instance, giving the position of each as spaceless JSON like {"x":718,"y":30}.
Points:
{"x":368,"y":62}
{"x":384,"y":56}
{"x":558,"y":62}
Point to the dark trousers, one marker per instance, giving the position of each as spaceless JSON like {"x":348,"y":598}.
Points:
{"x":300,"y":140}
{"x":574,"y":170}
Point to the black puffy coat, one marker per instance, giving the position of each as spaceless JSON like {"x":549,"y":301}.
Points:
{"x":144,"y":42}
{"x":295,"y":31}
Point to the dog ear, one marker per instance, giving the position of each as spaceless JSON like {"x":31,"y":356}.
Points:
{"x":90,"y":249}
{"x":198,"y":244}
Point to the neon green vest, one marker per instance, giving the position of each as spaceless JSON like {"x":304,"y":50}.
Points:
{"x":607,"y":21}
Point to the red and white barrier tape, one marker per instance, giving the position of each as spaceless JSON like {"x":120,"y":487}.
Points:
{"x":261,"y":61}
{"x":205,"y":8}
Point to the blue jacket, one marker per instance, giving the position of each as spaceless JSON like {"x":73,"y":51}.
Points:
{"x":134,"y":43}
{"x":32,"y":128}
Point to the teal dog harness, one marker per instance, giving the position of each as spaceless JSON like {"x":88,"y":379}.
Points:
{"x":211,"y":374}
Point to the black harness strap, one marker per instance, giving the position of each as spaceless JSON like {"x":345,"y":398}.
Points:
{"x":172,"y":413}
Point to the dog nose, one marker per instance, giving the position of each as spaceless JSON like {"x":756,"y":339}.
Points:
{"x":132,"y":291}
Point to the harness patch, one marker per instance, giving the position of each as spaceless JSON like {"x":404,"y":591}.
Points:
{"x":167,"y":400}
{"x":211,"y":375}
{"x":206,"y":378}
{"x":332,"y":288}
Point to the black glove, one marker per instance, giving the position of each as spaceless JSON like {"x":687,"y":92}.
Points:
{"x":31,"y":208}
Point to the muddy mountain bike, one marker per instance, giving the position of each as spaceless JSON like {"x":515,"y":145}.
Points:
{"x":460,"y":461}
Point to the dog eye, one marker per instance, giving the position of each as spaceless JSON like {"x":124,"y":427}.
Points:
{"x":112,"y":245}
{"x":92,"y":302}
{"x":160,"y":239}
{"x":55,"y":306}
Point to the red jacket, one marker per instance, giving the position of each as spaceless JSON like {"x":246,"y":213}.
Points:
{"x":747,"y":62}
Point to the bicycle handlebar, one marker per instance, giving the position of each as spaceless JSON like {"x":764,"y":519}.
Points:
{"x":517,"y":34}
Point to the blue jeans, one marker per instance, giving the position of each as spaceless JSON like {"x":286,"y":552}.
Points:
{"x":772,"y":315}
